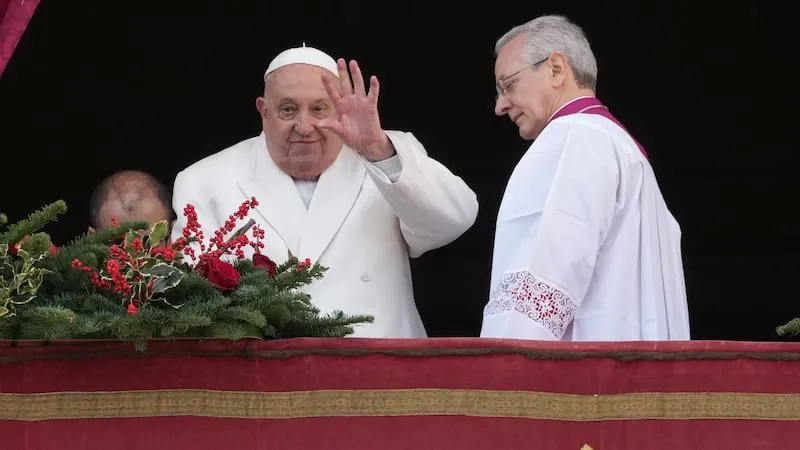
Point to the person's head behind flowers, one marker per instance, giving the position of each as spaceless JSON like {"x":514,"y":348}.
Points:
{"x":130,"y":195}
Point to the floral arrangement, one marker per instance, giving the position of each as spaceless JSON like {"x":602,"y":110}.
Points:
{"x":126,"y":283}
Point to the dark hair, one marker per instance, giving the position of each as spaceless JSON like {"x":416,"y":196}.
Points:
{"x":141,"y":184}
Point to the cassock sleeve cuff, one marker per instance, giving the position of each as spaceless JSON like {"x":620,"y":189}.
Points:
{"x":391,"y":168}
{"x":545,"y":304}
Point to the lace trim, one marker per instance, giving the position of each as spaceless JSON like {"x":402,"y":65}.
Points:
{"x":541,"y":302}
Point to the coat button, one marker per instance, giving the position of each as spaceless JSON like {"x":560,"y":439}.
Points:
{"x":365,"y":276}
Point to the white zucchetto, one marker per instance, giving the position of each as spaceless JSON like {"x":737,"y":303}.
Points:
{"x":303,"y":55}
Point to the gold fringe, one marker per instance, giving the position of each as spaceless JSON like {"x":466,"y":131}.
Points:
{"x":402,"y":402}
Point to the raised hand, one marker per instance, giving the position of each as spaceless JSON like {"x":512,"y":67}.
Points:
{"x":359,"y":124}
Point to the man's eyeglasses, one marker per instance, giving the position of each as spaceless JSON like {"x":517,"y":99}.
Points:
{"x":503,"y":84}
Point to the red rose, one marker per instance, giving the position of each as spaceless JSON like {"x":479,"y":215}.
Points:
{"x":220,"y":273}
{"x":260,"y":260}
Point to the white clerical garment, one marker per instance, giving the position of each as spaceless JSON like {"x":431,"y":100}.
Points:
{"x":585,"y":247}
{"x":362,"y":220}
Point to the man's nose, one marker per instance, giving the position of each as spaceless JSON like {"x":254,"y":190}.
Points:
{"x":304,"y":125}
{"x":501,"y":106}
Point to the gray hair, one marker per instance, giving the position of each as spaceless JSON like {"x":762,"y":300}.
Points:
{"x":547,"y":34}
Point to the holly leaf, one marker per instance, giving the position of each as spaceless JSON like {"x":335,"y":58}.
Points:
{"x":147,"y":264}
{"x":168,"y":282}
{"x":130,"y":236}
{"x":166,"y":276}
{"x":35,"y":279}
{"x":158,"y":270}
{"x":22,"y":299}
{"x":158,"y":232}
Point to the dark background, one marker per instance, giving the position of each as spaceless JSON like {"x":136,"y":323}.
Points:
{"x":96,"y":87}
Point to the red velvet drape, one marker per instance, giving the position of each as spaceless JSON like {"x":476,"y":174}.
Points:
{"x":388,"y":394}
{"x":14,"y":18}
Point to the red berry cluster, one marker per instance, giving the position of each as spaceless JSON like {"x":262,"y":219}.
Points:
{"x":258,"y":235}
{"x":217,"y":245}
{"x":119,"y":258}
{"x":304,"y":264}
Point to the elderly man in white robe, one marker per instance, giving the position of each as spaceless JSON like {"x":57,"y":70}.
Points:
{"x":334,"y":187}
{"x":585,"y":246}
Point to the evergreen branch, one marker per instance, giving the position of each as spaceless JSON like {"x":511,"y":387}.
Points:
{"x":34,"y":222}
{"x":333,"y":325}
{"x":791,"y":328}
{"x":107,"y":236}
{"x":36,"y":244}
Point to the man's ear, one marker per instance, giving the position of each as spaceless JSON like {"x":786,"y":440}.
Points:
{"x":558,"y":66}
{"x":261,"y":106}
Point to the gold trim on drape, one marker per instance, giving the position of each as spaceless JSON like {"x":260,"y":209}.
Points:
{"x":399,"y":402}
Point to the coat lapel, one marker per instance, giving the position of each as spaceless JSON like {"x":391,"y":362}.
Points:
{"x":334,"y":197}
{"x":279,"y":202}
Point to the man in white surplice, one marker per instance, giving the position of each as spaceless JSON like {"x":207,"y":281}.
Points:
{"x":585,"y":247}
{"x":334,"y":187}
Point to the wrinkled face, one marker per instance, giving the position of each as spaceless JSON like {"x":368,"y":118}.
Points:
{"x":525,"y":92}
{"x":294,"y":104}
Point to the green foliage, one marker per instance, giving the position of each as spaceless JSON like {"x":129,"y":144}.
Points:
{"x":35,"y":222}
{"x":179,"y":302}
{"x":22,"y":251}
{"x":138,"y":267}
{"x":20,"y":279}
{"x":91,"y":249}
{"x":791,"y":328}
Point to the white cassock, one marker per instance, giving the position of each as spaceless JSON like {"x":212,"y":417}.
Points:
{"x":585,"y":247}
{"x":362,"y":220}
